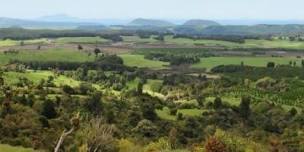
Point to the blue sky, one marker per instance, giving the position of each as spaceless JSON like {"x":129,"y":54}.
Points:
{"x":162,"y":9}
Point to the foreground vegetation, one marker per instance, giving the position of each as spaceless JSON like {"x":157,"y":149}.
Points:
{"x":152,"y":99}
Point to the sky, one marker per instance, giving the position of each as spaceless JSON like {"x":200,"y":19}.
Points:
{"x":157,"y":9}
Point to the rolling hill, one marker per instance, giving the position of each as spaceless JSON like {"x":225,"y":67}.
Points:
{"x":37,"y":24}
{"x":150,"y":22}
{"x":202,"y":23}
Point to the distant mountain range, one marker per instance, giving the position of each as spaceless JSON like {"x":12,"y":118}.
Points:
{"x":164,"y":23}
{"x":67,"y":22}
{"x":190,"y":27}
{"x":39,"y":24}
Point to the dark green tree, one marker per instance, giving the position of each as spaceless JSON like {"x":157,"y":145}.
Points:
{"x":293,"y":111}
{"x":140,"y":86}
{"x":244,"y":107}
{"x":48,"y":109}
{"x":97,"y":51}
{"x":217,"y":103}
{"x":94,"y":104}
{"x":79,"y":47}
{"x":270,"y":65}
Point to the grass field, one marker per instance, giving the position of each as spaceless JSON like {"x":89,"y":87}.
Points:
{"x":137,"y":39}
{"x":62,"y":40}
{"x":153,"y":85}
{"x":252,"y":61}
{"x":37,"y":76}
{"x":274,"y":44}
{"x":141,"y":62}
{"x":249,"y":43}
{"x":190,"y":42}
{"x":86,"y":40}
{"x":67,"y":55}
{"x":7,"y":148}
{"x":9,"y":42}
{"x":235,"y":101}
{"x":133,"y":84}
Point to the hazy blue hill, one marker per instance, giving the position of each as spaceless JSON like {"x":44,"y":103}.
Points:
{"x":35,"y":24}
{"x":202,"y":23}
{"x":254,"y":30}
{"x":241,"y":30}
{"x":150,"y":22}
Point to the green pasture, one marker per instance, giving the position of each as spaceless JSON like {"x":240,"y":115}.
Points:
{"x":153,"y":85}
{"x":133,"y":84}
{"x":274,"y":44}
{"x":9,"y":42}
{"x":8,"y":148}
{"x":190,"y":42}
{"x":36,"y":76}
{"x":141,"y":62}
{"x":249,"y":43}
{"x":211,"y":62}
{"x":86,"y":40}
{"x":59,"y":55}
{"x":137,"y":39}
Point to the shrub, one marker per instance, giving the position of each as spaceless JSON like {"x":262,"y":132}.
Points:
{"x":213,"y":144}
{"x":67,"y":89}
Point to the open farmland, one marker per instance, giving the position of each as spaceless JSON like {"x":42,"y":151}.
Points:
{"x":80,"y":40}
{"x":211,"y":62}
{"x":58,"y":55}
{"x":139,"y":61}
{"x":9,"y":42}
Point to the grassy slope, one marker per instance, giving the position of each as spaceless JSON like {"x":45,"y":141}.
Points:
{"x":140,"y":61}
{"x":48,"y":55}
{"x":13,"y":78}
{"x":253,"y":61}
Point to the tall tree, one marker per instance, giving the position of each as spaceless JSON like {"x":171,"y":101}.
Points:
{"x":94,"y":104}
{"x":217,"y":103}
{"x":79,"y":47}
{"x":97,"y":51}
{"x":244,"y":107}
{"x":48,"y":109}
